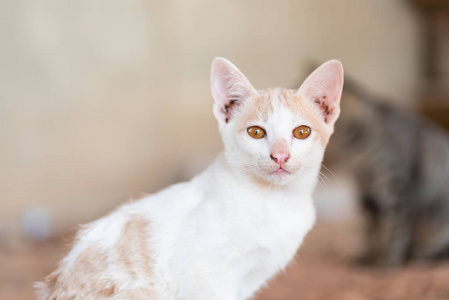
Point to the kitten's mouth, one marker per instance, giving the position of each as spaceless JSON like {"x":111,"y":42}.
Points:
{"x":280,"y":171}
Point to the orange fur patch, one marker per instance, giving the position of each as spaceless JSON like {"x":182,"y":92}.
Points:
{"x":132,"y":251}
{"x":323,"y":131}
{"x":84,"y":279}
{"x":256,"y":107}
{"x":90,"y":276}
{"x":261,"y":106}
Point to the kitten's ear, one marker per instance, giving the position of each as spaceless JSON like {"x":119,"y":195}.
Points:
{"x":229,"y":88}
{"x":323,"y":90}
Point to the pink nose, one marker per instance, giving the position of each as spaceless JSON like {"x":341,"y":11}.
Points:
{"x":280,"y":158}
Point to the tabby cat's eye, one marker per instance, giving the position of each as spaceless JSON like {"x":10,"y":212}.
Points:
{"x":301,"y":132}
{"x":256,"y":132}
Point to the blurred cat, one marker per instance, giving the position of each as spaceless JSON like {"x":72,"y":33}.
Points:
{"x":401,"y":165}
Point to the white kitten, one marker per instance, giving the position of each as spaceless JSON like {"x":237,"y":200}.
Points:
{"x":227,"y":231}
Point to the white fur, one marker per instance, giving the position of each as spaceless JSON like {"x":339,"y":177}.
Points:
{"x":224,"y":234}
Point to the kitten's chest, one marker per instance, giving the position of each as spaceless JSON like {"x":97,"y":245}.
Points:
{"x":276,"y":227}
{"x":268,"y":240}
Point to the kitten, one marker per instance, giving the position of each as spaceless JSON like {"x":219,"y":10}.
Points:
{"x":231,"y":228}
{"x":401,"y":166}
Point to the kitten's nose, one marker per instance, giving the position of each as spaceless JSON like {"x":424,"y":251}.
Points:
{"x":280,"y":152}
{"x":280,"y":158}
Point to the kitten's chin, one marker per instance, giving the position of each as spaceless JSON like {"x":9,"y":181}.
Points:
{"x":278,"y":177}
{"x":281,"y":178}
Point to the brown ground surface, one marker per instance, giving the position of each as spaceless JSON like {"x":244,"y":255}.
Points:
{"x":322,"y":271}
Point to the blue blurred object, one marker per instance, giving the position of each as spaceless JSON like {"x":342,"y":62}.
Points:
{"x":37,"y":223}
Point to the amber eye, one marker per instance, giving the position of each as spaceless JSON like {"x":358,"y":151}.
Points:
{"x":256,"y":132}
{"x":301,"y":132}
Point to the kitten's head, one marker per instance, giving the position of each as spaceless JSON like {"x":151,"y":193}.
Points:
{"x":275,"y":134}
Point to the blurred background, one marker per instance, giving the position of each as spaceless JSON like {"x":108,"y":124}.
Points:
{"x":103,"y":101}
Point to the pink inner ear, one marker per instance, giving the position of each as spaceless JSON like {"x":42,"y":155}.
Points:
{"x":323,"y":88}
{"x":220,"y":90}
{"x":229,"y":88}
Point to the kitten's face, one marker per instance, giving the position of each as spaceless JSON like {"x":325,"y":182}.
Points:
{"x":278,"y":156}
{"x":274,"y":135}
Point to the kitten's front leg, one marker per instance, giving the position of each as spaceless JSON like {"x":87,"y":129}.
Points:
{"x":198,"y":284}
{"x":205,"y":291}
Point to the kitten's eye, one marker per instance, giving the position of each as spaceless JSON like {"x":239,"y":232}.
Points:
{"x":301,"y":132}
{"x":256,"y":132}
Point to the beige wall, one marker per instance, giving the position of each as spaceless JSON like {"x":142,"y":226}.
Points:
{"x":102,"y":100}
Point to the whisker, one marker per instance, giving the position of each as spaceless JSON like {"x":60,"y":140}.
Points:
{"x":327,"y":178}
{"x":321,"y":182}
{"x":327,"y":169}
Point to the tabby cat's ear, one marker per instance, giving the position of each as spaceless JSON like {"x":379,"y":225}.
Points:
{"x":323,"y":90}
{"x":229,"y":88}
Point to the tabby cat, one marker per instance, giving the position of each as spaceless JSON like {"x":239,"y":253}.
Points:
{"x":401,"y":165}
